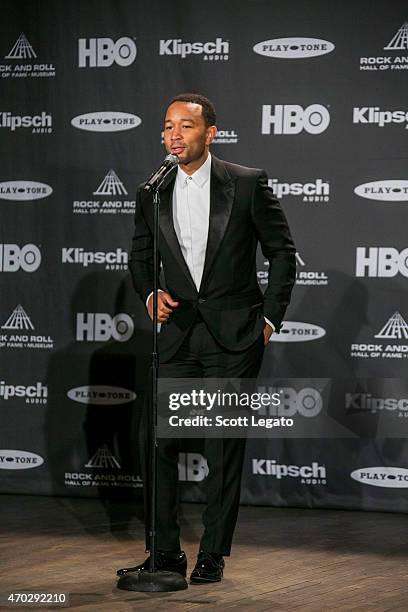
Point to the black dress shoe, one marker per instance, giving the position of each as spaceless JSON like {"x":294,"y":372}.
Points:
{"x":177,"y":562}
{"x":209,"y":568}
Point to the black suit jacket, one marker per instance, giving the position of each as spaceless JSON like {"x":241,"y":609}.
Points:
{"x":243,"y":212}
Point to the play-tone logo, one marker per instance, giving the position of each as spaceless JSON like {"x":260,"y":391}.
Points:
{"x":395,"y":328}
{"x":388,"y":477}
{"x":39,"y":124}
{"x":192,"y":467}
{"x":106,"y":121}
{"x":293,"y":48}
{"x":296,"y":331}
{"x":209,"y":51}
{"x":395,"y":61}
{"x":19,"y":460}
{"x":308,"y":474}
{"x":24,"y":190}
{"x":393,"y":190}
{"x":21,"y":55}
{"x":291,"y":119}
{"x":101,"y":395}
{"x":102,"y":327}
{"x":316,"y":191}
{"x":103,"y":52}
{"x":381,"y":262}
{"x":14,"y":258}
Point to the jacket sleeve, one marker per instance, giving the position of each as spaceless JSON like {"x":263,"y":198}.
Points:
{"x":277,"y":246}
{"x":141,"y":254}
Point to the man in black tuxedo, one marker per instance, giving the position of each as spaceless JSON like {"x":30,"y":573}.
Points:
{"x":215,"y":320}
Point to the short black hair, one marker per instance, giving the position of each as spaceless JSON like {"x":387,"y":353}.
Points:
{"x":209,"y":115}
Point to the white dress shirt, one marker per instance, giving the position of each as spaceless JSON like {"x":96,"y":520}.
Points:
{"x":191,"y":217}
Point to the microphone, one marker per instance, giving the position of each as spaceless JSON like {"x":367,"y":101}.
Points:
{"x":158,"y":177}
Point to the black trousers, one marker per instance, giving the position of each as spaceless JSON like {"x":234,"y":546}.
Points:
{"x":200,"y":356}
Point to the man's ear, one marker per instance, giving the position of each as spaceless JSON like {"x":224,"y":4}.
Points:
{"x":211,"y":134}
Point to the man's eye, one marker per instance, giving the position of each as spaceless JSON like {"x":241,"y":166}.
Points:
{"x":187,"y":126}
{"x":168,"y":127}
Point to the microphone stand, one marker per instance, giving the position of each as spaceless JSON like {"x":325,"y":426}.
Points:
{"x":153,"y":580}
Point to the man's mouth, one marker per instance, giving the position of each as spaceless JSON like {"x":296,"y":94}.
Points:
{"x":177,"y":150}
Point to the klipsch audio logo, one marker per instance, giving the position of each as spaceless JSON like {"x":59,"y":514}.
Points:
{"x":209,"y":51}
{"x":24,"y":62}
{"x":292,"y":119}
{"x":103,"y":469}
{"x":381,"y":262}
{"x":19,"y":460}
{"x":296,"y":331}
{"x":293,"y":48}
{"x":14,"y":258}
{"x":192,"y":467}
{"x":357,"y":403}
{"x":375,"y":116}
{"x":397,"y":60}
{"x":304,"y":275}
{"x":16,"y":332}
{"x":388,"y":477}
{"x":317,"y":190}
{"x":307,"y":474}
{"x":19,"y":191}
{"x":30,"y":394}
{"x":102,"y":327}
{"x":106,"y":121}
{"x":110,"y":191}
{"x":111,"y":260}
{"x":103,"y":52}
{"x":39,"y":124}
{"x":388,"y":342}
{"x":101,"y":395}
{"x":394,"y":190}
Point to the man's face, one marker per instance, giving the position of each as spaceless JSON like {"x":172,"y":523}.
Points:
{"x":186,"y":135}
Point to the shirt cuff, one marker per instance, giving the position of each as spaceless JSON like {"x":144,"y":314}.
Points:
{"x":151,"y":293}
{"x":271,"y":324}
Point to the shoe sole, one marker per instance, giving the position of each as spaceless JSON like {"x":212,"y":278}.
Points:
{"x":204,"y":580}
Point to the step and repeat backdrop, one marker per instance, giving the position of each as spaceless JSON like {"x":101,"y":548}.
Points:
{"x":314,"y":93}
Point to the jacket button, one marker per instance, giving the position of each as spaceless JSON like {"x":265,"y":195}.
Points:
{"x":201,"y":300}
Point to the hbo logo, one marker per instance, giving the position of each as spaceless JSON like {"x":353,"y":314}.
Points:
{"x":292,"y":119}
{"x":102,"y":52}
{"x":101,"y":327}
{"x":307,"y":401}
{"x":13,"y":258}
{"x":192,"y":467}
{"x":383,"y":262}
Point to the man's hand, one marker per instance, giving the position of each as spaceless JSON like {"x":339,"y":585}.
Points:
{"x":165,"y":305}
{"x":268,"y":331}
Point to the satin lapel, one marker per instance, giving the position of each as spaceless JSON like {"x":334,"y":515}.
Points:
{"x":168,"y":231}
{"x":222,"y":191}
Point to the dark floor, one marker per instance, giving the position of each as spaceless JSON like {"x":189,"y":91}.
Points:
{"x":283,"y":559}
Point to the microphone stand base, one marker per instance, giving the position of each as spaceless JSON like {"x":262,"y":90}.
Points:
{"x":152,"y":582}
